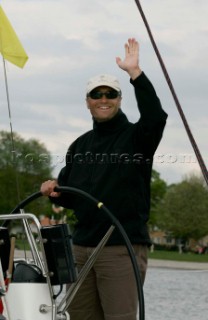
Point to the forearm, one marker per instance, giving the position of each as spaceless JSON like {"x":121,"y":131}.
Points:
{"x":147,"y":100}
{"x":134,"y":73}
{"x":152,"y":117}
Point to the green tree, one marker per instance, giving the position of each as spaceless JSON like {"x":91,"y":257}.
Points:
{"x":184,"y":209}
{"x":23,"y":166}
{"x":158,"y":190}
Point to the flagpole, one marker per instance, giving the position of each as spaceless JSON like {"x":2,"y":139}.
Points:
{"x":10,"y":122}
{"x":13,"y":51}
{"x":8,"y":101}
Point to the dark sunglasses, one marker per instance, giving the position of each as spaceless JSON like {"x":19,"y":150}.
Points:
{"x":113,"y":94}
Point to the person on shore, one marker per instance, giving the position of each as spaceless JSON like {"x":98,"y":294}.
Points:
{"x":113,"y":163}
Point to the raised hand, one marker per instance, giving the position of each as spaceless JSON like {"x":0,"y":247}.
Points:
{"x":130,"y":63}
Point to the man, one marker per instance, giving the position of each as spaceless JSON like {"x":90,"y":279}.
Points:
{"x":113,"y":163}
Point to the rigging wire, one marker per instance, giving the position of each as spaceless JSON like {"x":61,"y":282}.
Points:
{"x":178,"y":105}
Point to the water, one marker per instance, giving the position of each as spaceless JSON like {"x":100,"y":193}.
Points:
{"x":172,"y":294}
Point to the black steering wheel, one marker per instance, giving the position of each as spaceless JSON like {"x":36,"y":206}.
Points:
{"x":114,"y":221}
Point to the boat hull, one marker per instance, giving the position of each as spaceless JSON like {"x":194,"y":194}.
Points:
{"x":24,"y":301}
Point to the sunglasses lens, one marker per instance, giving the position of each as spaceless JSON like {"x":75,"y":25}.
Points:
{"x":95,"y":95}
{"x":113,"y":94}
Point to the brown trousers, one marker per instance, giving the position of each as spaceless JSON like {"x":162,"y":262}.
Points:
{"x":109,"y":291}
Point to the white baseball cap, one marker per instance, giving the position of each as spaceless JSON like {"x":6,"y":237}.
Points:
{"x":103,"y":80}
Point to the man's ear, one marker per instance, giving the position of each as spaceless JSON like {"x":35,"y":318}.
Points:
{"x":88,"y":107}
{"x":120,"y":102}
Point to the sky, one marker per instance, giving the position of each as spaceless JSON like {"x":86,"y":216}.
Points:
{"x":68,"y":41}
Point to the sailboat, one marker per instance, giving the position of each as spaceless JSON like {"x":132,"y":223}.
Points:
{"x":28,"y":283}
{"x":31,"y":291}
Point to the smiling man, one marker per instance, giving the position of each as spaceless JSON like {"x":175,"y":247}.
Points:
{"x":103,"y":97}
{"x":112,"y":162}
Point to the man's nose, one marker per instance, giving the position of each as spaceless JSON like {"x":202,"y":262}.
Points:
{"x":103,"y":98}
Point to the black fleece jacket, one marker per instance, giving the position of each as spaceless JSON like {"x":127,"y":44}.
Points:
{"x":113,"y":163}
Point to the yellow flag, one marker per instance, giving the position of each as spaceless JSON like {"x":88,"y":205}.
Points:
{"x":10,"y":46}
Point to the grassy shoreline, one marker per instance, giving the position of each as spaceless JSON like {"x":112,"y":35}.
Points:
{"x":176,"y":256}
{"x":157,"y":254}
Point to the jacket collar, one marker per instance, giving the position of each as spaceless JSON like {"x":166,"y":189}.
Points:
{"x":112,"y":125}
